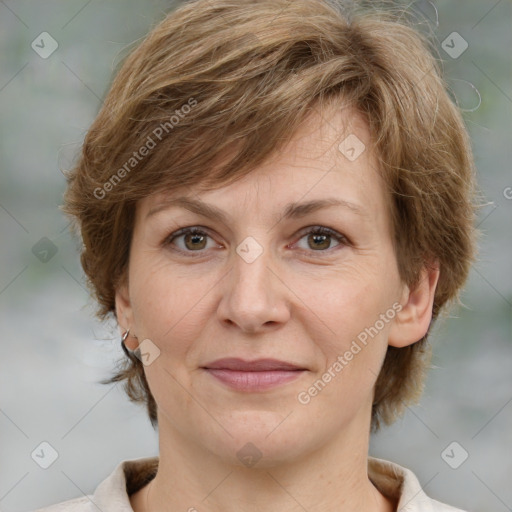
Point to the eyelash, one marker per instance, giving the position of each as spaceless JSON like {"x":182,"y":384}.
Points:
{"x":318,"y":230}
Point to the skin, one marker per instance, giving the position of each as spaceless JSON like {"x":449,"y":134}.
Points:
{"x":302,"y":300}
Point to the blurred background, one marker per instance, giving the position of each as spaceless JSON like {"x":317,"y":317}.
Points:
{"x":56,"y":63}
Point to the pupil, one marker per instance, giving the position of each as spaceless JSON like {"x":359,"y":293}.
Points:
{"x":194,"y":238}
{"x":321,"y":238}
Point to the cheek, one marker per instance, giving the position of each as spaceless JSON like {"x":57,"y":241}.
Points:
{"x":347,"y":326}
{"x":348,"y":301}
{"x":352,"y":351}
{"x":169,"y":306}
{"x":168,"y":310}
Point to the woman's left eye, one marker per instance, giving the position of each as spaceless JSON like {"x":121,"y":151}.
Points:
{"x":194,"y":239}
{"x":319,"y":238}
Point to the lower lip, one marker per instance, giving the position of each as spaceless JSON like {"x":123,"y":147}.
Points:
{"x":254,"y":381}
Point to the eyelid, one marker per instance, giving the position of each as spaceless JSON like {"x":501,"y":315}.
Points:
{"x":317,"y":228}
{"x":341,"y":238}
{"x":184,"y":231}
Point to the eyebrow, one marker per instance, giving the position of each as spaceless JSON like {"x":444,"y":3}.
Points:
{"x":292,"y":210}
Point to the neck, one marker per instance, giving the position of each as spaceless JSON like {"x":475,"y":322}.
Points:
{"x":333,"y":477}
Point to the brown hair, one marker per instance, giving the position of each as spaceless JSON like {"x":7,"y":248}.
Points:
{"x":240,"y":76}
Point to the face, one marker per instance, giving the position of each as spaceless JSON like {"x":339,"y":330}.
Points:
{"x":293,"y":263}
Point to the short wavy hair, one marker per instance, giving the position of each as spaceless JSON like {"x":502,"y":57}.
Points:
{"x":238,"y":77}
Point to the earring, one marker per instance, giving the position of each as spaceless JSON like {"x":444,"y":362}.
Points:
{"x":125,"y":335}
{"x":126,"y":350}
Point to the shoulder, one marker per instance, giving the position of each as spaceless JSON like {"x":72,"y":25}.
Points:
{"x":437,"y":506}
{"x":82,"y":504}
{"x":113,"y":493}
{"x":402,"y":485}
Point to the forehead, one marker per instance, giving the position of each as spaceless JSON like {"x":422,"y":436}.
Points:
{"x":328,"y":156}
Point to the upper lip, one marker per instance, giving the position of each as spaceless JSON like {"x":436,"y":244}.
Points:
{"x":258,"y":365}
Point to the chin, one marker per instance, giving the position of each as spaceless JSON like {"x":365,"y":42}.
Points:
{"x":260,"y":439}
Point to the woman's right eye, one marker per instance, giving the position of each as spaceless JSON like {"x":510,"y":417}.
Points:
{"x":189,"y":240}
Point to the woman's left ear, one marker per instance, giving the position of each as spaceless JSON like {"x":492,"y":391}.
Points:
{"x":412,"y":322}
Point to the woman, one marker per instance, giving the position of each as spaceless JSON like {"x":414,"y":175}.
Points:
{"x":275,"y":202}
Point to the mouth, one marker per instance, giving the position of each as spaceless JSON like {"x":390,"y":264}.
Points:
{"x":251,"y":376}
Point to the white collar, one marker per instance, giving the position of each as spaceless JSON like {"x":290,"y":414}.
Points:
{"x":113,"y":493}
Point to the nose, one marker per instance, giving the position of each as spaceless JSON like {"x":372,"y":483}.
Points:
{"x":254,"y":296}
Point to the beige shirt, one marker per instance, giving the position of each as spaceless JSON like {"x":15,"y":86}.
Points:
{"x":112,"y":495}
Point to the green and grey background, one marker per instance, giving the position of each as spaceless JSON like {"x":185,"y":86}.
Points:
{"x":458,"y":441}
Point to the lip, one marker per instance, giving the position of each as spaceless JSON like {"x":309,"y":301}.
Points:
{"x":258,"y":365}
{"x":251,"y":376}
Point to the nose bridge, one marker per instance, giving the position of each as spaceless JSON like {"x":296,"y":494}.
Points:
{"x":253,"y":296}
{"x":251,"y":263}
